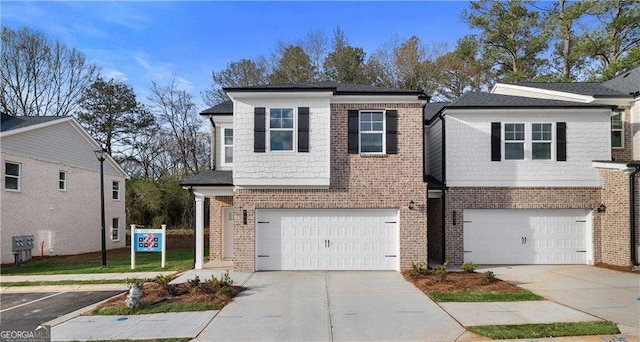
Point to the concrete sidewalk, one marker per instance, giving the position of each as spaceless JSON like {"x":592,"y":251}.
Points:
{"x":88,"y":276}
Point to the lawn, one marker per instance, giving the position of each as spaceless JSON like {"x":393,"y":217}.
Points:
{"x":118,"y":261}
{"x":545,"y":330}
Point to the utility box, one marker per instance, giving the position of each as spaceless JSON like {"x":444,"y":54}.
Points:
{"x":22,"y":247}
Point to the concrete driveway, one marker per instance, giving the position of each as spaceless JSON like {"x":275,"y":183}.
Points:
{"x":331,"y":306}
{"x":604,"y":293}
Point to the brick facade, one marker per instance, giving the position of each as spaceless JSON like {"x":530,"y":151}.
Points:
{"x":458,"y":199}
{"x":215,"y":224}
{"x":625,"y":153}
{"x":357,"y":181}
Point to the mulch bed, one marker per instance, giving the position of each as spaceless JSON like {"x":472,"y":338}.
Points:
{"x":628,"y":269}
{"x":457,"y":281}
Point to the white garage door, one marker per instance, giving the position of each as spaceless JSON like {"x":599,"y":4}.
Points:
{"x":526,"y":236}
{"x":327,"y":239}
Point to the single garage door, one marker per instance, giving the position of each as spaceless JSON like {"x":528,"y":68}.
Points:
{"x":526,"y":236}
{"x":327,"y":239}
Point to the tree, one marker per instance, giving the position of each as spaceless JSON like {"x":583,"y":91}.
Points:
{"x":315,"y":45}
{"x":294,"y":66}
{"x":41,"y":76}
{"x":461,"y":70}
{"x":111,"y":113}
{"x":345,"y":63}
{"x":242,"y":73}
{"x":512,"y":37}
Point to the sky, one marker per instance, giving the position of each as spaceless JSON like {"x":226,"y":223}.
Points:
{"x":136,"y":42}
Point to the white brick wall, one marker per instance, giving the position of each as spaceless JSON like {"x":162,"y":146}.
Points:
{"x":282,"y":169}
{"x":468,"y":139}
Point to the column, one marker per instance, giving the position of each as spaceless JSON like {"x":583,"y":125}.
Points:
{"x":199,"y":232}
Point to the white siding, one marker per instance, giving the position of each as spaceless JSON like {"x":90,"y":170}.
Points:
{"x":68,"y":222}
{"x":468,"y":139}
{"x":434,"y":149}
{"x":635,"y":129}
{"x":282,"y":169}
{"x":59,"y":143}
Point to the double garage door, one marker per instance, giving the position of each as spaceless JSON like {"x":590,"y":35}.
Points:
{"x":526,"y":236}
{"x":327,"y":239}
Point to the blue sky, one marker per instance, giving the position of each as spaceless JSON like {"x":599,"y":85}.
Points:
{"x":140,"y":41}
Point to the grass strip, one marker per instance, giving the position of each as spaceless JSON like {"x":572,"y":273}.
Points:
{"x":484,"y":296}
{"x":501,"y":332}
{"x":63,"y":282}
{"x":158,"y":308}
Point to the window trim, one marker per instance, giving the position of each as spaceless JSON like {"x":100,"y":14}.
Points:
{"x":621,"y":129}
{"x":552,"y":144}
{"x":223,"y":154}
{"x":293,"y":129}
{"x":117,"y":191}
{"x":112,"y":228}
{"x":383,"y":131}
{"x":505,"y":141}
{"x":19,"y":176}
{"x":64,"y":181}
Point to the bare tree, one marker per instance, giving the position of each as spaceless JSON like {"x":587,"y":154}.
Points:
{"x":41,"y":76}
{"x":315,"y":44}
{"x":242,"y":73}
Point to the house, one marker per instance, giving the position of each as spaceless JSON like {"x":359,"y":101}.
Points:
{"x":318,"y":176}
{"x":51,"y":188}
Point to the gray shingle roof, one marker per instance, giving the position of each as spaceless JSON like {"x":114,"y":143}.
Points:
{"x":209,"y":177}
{"x":8,"y":122}
{"x":627,"y":82}
{"x":432,"y":109}
{"x":581,"y":88}
{"x":337,"y":88}
{"x":224,"y":108}
{"x":488,"y":100}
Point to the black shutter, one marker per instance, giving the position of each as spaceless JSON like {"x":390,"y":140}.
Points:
{"x":496,"y":141}
{"x":353,"y":132}
{"x":392,"y":131}
{"x":303,"y":129}
{"x":258,"y":129}
{"x":561,"y":141}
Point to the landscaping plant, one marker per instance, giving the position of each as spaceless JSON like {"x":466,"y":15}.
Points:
{"x":418,"y":269}
{"x":441,"y":271}
{"x":488,"y":276}
{"x":469,"y":267}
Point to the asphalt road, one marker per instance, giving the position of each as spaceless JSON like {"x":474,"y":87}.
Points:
{"x":32,"y":309}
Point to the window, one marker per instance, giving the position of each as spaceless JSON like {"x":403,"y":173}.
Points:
{"x":514,"y":141}
{"x":227,"y":146}
{"x":371,"y":132}
{"x":62,"y":180}
{"x":115,"y":193}
{"x":281,"y":129}
{"x":616,"y":130}
{"x":541,"y":141}
{"x":115,"y":229}
{"x":12,"y":176}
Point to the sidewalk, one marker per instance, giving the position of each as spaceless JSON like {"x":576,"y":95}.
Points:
{"x":88,"y":276}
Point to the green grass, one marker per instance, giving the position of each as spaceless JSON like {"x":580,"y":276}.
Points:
{"x":118,"y":261}
{"x":158,"y":308}
{"x":63,"y":282}
{"x":483,"y":296}
{"x":545,"y":330}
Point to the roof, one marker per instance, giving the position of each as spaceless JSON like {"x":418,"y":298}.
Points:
{"x":489,"y":100}
{"x":627,"y":82}
{"x":335,"y":87}
{"x":209,"y":177}
{"x":9,"y":122}
{"x":581,"y":88}
{"x":224,"y":108}
{"x":432,"y":109}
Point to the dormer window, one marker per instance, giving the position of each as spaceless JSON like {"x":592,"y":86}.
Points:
{"x":281,"y":129}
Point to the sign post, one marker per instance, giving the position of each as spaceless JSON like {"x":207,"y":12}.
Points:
{"x":148,"y":240}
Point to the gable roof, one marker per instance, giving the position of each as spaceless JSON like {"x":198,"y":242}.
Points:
{"x":224,"y":108}
{"x":627,"y":82}
{"x":10,"y":122}
{"x":335,"y":87}
{"x":581,"y":88}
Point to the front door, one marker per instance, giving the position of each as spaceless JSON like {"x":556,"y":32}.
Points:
{"x":227,"y":233}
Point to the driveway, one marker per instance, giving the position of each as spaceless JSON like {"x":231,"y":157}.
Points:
{"x":604,"y":293}
{"x":331,"y":306}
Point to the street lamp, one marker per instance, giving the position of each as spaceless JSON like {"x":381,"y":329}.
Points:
{"x":100,"y":154}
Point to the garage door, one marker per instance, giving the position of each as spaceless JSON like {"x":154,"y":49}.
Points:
{"x":526,"y":236}
{"x":327,"y":239}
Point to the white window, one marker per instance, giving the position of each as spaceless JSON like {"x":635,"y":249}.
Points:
{"x":12,"y":176}
{"x":617,"y":134}
{"x":281,"y":129}
{"x":115,"y":190}
{"x":227,"y":146}
{"x":541,"y":139}
{"x":62,"y":180}
{"x":115,"y":229}
{"x":372,"y":135}
{"x":514,"y":141}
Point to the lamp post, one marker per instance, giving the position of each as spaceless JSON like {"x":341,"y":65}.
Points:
{"x":100,"y":154}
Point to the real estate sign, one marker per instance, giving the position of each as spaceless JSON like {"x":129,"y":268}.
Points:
{"x":148,"y":240}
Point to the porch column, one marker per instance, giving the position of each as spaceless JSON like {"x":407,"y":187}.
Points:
{"x":199,"y":232}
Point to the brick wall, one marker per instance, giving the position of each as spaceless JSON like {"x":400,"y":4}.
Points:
{"x":215,"y":224}
{"x":624,"y":154}
{"x":458,"y":199}
{"x":387,"y":181}
{"x":434,"y":231}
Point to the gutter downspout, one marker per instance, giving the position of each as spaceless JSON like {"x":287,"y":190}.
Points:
{"x":213,"y":144}
{"x":632,"y":213}
{"x":444,"y":189}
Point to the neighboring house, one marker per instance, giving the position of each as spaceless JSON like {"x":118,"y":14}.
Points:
{"x":322,"y":176}
{"x":51,"y":188}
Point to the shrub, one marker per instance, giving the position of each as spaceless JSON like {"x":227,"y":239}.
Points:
{"x":225,"y":280}
{"x":441,"y":271}
{"x":488,"y":276}
{"x":135,"y":281}
{"x":163,"y":281}
{"x":469,"y":267}
{"x":418,"y":269}
{"x":194,"y":283}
